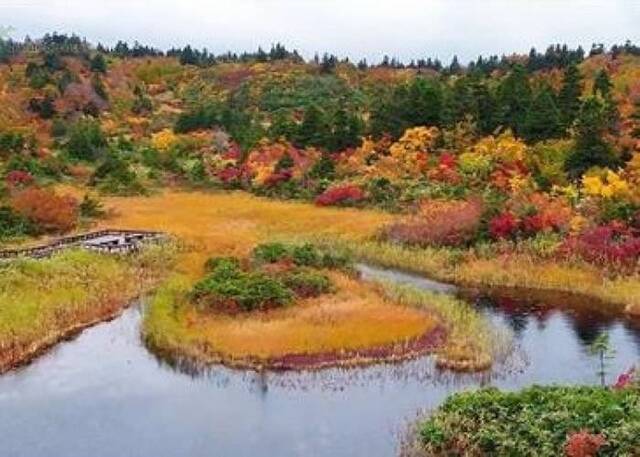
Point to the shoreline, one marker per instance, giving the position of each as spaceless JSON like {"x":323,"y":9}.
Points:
{"x":42,"y":346}
{"x":501,"y":281}
{"x":197,"y":358}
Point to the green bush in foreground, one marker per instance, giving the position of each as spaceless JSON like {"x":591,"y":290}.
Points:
{"x":533,"y":422}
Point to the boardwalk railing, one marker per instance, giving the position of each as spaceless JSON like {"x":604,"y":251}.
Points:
{"x":131,"y":240}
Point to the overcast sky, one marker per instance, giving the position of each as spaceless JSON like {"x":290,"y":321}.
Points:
{"x":356,"y":28}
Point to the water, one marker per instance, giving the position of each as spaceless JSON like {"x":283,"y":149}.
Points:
{"x":104,"y":394}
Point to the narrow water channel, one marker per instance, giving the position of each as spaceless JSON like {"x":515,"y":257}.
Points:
{"x":104,"y":395}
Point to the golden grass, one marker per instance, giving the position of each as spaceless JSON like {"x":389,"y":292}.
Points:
{"x":232,"y":223}
{"x":623,"y":294}
{"x":355,"y":317}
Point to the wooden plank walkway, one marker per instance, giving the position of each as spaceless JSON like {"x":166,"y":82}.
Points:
{"x":111,"y":241}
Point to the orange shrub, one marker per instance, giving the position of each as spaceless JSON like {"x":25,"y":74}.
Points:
{"x":50,"y":212}
{"x":446,"y":223}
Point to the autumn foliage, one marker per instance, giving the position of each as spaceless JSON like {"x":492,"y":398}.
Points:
{"x":341,"y":195}
{"x":444,"y":223}
{"x":584,"y":444}
{"x":49,"y":211}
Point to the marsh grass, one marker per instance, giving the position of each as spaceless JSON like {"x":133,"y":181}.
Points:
{"x":472,"y":344}
{"x":43,"y":300}
{"x":357,"y":316}
{"x":516,"y":271}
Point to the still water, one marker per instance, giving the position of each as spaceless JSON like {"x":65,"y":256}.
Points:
{"x":104,"y":395}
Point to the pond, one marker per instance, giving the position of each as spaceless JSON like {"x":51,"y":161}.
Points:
{"x":104,"y":394}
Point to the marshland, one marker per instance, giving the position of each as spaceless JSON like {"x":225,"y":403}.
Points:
{"x":382,"y":258}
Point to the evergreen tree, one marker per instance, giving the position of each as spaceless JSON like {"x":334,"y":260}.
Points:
{"x":455,"y":67}
{"x":188,"y":56}
{"x":282,"y":126}
{"x":543,"y":118}
{"x":569,"y":98}
{"x":513,"y":100}
{"x":313,"y":129}
{"x":388,"y":114}
{"x":486,"y":107}
{"x":324,"y":168}
{"x":424,"y":103}
{"x":347,"y":129}
{"x":602,"y":85}
{"x":591,"y":149}
{"x":460,"y":102}
{"x":98,"y":64}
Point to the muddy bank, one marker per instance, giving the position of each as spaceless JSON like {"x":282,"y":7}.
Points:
{"x":20,"y":355}
{"x":198,"y":358}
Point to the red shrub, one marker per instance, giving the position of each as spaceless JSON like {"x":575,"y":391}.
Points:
{"x":625,"y":380}
{"x":533,"y":224}
{"x":18,"y":178}
{"x":277,"y":177}
{"x":439,"y":223}
{"x":504,"y":225}
{"x":447,"y":161}
{"x":606,"y":245}
{"x":230,"y":174}
{"x":340,"y":195}
{"x":50,"y":212}
{"x":583,"y":444}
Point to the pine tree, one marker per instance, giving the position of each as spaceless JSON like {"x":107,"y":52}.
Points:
{"x":424,"y":103}
{"x":486,"y":107}
{"x":513,"y":99}
{"x":602,"y":87}
{"x":569,"y":98}
{"x":460,"y":102}
{"x":543,"y":118}
{"x":602,"y":84}
{"x":389,"y":114}
{"x":347,"y":130}
{"x":98,"y":64}
{"x":313,"y":129}
{"x":591,"y":150}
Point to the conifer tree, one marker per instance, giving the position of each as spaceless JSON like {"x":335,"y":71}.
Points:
{"x":513,"y":99}
{"x":313,"y":129}
{"x":591,"y":149}
{"x":569,"y":98}
{"x":543,"y":118}
{"x":98,"y":64}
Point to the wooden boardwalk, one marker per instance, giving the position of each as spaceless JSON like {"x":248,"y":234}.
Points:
{"x":109,"y":241}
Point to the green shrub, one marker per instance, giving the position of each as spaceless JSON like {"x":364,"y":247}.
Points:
{"x":91,"y":207}
{"x":86,"y":140}
{"x":533,"y":422}
{"x":230,"y":289}
{"x":270,"y":252}
{"x":13,"y":224}
{"x":219,"y":263}
{"x":307,"y":283}
{"x":115,"y":176}
{"x":306,"y":255}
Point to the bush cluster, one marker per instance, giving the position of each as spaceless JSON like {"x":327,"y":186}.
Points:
{"x":538,"y":421}
{"x":276,"y":275}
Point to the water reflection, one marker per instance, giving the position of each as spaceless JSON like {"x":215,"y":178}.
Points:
{"x":104,"y":394}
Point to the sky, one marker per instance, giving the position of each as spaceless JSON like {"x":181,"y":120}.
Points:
{"x":407,"y":29}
